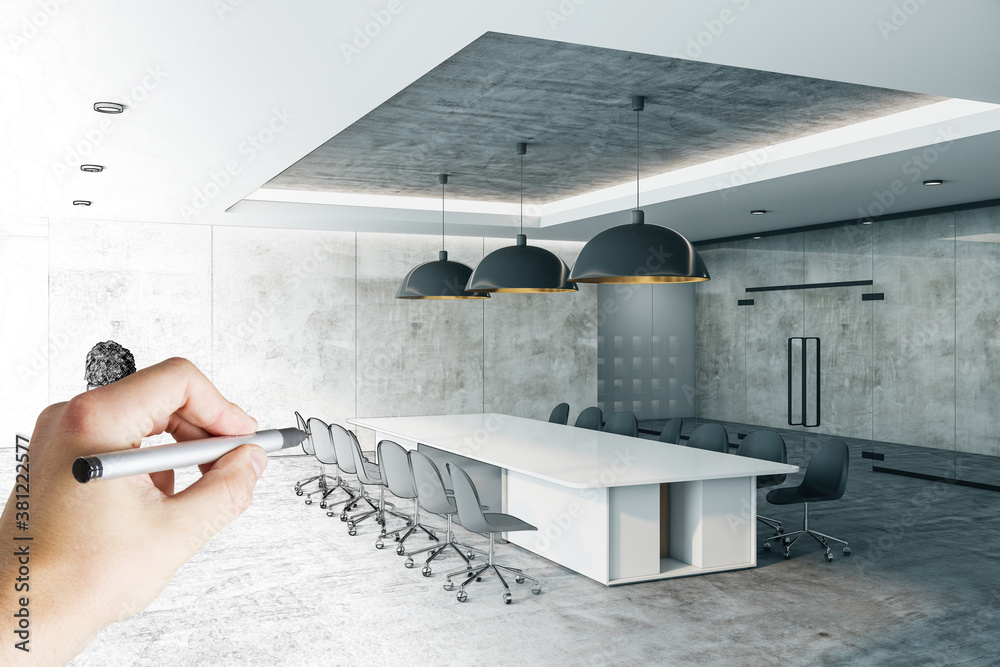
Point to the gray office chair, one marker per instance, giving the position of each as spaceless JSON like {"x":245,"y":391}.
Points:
{"x":622,"y":423}
{"x":560,"y":414}
{"x":326,"y":454}
{"x":672,"y":431}
{"x":343,"y":443}
{"x":434,"y":497}
{"x":591,"y":418}
{"x":766,"y":446}
{"x":825,"y":479}
{"x":712,"y":437}
{"x":395,"y":466}
{"x":324,"y":483}
{"x":369,"y":474}
{"x":471,"y":514}
{"x":307,"y":447}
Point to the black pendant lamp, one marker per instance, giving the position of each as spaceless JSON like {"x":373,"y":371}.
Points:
{"x":442,"y":279}
{"x":639,"y":253}
{"x":521,"y":268}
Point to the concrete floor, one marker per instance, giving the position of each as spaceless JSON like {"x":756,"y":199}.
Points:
{"x":285,"y":585}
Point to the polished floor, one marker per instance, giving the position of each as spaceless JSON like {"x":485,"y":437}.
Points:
{"x":286,"y":585}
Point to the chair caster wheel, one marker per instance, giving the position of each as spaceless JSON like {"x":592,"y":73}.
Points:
{"x":426,"y":571}
{"x":330,"y":514}
{"x":396,"y":537}
{"x":787,"y":555}
{"x":309,"y":501}
{"x":409,"y":522}
{"x":322,"y":505}
{"x":781,"y":530}
{"x":297,"y":492}
{"x":408,"y":563}
{"x":767,"y":546}
{"x":462,"y":596}
{"x":786,"y":541}
{"x":506,"y":598}
{"x":470,"y":555}
{"x":519,"y":580}
{"x":479,"y":578}
{"x":351,"y":525}
{"x":400,"y":550}
{"x":829,"y":557}
{"x":343,"y":516}
{"x":449,"y":586}
{"x":352,"y":532}
{"x":847,"y":551}
{"x":380,"y":545}
{"x":536,"y":589}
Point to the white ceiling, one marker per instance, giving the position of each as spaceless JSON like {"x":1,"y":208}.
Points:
{"x":224,"y":95}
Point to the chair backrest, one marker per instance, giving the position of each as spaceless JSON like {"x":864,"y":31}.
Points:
{"x":712,"y":437}
{"x":560,"y":414}
{"x":672,"y":431}
{"x":322,"y":440}
{"x":430,"y":485}
{"x":826,"y":473}
{"x":359,"y":463}
{"x":307,"y":443}
{"x":342,"y":446}
{"x":623,"y":423}
{"x":396,"y":471}
{"x":591,"y":418}
{"x":766,"y":446}
{"x":470,"y":511}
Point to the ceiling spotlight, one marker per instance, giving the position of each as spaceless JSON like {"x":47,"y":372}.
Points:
{"x":108,"y":107}
{"x":91,"y":168}
{"x":756,"y":238}
{"x":758,"y":211}
{"x":81,"y":202}
{"x":934,"y":181}
{"x":867,"y":222}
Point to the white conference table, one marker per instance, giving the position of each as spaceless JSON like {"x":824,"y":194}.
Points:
{"x":614,"y":508}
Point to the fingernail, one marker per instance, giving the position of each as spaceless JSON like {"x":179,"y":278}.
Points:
{"x":258,"y":459}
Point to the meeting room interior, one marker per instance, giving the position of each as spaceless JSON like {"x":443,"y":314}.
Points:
{"x":619,"y":333}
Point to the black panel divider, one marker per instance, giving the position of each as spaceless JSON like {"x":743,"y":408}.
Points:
{"x":781,"y":288}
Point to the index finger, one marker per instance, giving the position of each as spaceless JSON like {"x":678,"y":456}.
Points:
{"x":120,"y":414}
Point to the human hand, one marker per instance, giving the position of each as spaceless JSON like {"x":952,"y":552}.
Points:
{"x":102,"y":552}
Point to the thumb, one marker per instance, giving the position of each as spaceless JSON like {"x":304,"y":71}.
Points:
{"x":222,"y":494}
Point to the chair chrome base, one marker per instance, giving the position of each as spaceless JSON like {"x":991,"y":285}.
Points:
{"x":449,"y":541}
{"x":773,"y":523}
{"x":477,"y":575}
{"x":789,"y":539}
{"x":378,"y":511}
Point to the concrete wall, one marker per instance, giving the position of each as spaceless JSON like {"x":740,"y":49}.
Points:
{"x":646,"y":350}
{"x":921,"y":367}
{"x":282,"y":320}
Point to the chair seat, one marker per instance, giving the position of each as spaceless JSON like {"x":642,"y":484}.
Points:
{"x":794,"y":495}
{"x":502,"y":523}
{"x":372,"y":471}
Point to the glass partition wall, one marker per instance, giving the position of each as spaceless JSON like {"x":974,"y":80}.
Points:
{"x":884,"y":335}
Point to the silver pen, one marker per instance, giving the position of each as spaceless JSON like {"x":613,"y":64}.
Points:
{"x":175,"y":455}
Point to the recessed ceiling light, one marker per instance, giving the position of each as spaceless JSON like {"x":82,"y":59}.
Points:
{"x":91,"y":168}
{"x":81,"y":202}
{"x":756,"y":238}
{"x":758,"y":211}
{"x":867,"y":222}
{"x":109,"y":107}
{"x":935,"y":181}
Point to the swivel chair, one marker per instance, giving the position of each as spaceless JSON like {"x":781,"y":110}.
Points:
{"x":435,"y":498}
{"x":307,"y":447}
{"x":326,"y":454}
{"x":317,"y":429}
{"x":471,"y":514}
{"x":766,"y":446}
{"x":560,"y":414}
{"x":343,"y":443}
{"x":825,"y":479}
{"x":591,"y":418}
{"x":398,"y":476}
{"x":712,"y":437}
{"x":369,"y":474}
{"x":671,"y":432}
{"x":622,"y":423}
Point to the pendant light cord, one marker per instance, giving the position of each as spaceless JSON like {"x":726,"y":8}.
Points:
{"x":442,"y":216}
{"x":522,"y":194}
{"x":637,"y":158}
